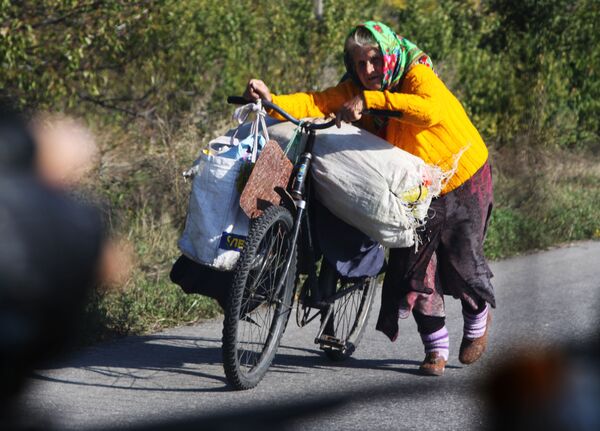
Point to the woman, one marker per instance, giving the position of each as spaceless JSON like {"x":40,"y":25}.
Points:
{"x":389,"y":72}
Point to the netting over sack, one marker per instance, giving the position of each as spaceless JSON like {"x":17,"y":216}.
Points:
{"x":370,"y":184}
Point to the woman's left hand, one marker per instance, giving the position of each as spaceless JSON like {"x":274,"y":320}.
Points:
{"x":350,"y":111}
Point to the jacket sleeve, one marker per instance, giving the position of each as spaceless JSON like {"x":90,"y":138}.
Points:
{"x":421,"y":99}
{"x":317,"y":104}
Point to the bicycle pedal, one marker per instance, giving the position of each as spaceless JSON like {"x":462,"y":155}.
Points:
{"x":329,"y":342}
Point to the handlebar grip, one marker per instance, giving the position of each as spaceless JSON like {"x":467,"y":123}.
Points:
{"x":383,"y":113}
{"x":237,"y":100}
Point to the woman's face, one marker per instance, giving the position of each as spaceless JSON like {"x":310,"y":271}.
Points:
{"x":368,"y":64}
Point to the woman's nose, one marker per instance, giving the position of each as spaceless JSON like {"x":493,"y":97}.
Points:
{"x":370,"y":67}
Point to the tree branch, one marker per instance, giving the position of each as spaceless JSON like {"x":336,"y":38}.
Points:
{"x":108,"y":105}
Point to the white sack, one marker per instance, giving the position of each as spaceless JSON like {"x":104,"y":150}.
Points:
{"x":216,"y":228}
{"x":361,"y":178}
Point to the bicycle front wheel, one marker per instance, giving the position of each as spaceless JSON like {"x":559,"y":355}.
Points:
{"x":351,"y":303}
{"x":257,"y":311}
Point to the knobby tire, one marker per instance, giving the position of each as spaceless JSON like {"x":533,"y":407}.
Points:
{"x":256,"y":315}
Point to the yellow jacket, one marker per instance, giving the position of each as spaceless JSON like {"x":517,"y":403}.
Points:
{"x":434,"y":126}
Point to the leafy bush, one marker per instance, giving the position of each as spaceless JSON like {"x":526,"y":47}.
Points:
{"x":527,"y":70}
{"x":157,"y":57}
{"x":522,"y":67}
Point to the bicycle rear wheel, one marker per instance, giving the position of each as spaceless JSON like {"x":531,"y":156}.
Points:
{"x":352,"y":303}
{"x":257,"y":312}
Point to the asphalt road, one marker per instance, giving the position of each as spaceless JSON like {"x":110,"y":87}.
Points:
{"x":548,"y":298}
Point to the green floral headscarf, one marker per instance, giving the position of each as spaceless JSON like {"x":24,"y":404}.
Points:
{"x":399,"y":54}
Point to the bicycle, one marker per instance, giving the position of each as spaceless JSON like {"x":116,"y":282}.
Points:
{"x":262,"y":294}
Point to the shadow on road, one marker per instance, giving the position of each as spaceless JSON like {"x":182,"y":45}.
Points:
{"x":132,"y":387}
{"x":318,"y":360}
{"x":137,"y":364}
{"x":148,"y":351}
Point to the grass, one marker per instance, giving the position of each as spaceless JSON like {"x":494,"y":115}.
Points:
{"x":144,"y":199}
{"x":148,"y":301}
{"x":542,"y":198}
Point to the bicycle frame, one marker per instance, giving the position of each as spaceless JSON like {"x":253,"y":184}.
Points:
{"x":298,"y":198}
{"x":249,"y":345}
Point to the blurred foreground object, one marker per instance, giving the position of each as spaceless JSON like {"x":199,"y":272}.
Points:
{"x":547,"y":389}
{"x":53,"y":247}
{"x":66,"y":149}
{"x":116,"y":262}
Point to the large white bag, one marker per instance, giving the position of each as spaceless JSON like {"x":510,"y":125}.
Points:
{"x":216,"y":228}
{"x":369,"y":183}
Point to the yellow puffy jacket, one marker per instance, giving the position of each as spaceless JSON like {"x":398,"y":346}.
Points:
{"x":434,"y":126}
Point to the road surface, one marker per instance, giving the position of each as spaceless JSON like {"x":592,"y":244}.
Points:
{"x":547,"y":298}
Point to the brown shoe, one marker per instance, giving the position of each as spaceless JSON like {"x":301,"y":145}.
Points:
{"x":433,"y":365}
{"x":471,"y":350}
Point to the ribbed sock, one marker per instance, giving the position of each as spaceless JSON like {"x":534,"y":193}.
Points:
{"x":438,"y":342}
{"x":475,"y":324}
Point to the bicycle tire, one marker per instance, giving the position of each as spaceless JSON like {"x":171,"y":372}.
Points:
{"x":256,"y":315}
{"x":350,"y":312}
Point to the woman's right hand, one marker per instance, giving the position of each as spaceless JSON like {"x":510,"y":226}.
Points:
{"x":256,"y":89}
{"x":350,"y":111}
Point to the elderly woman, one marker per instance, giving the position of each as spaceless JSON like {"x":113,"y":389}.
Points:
{"x":389,"y":72}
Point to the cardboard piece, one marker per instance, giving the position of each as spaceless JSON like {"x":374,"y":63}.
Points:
{"x":272,"y":170}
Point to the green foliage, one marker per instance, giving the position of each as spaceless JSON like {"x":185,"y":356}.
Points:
{"x":149,"y":306}
{"x":527,"y":70}
{"x":570,"y":216}
{"x":56,"y":53}
{"x":509,"y":232}
{"x":154,"y":58}
{"x":542,"y":200}
{"x":523,"y":68}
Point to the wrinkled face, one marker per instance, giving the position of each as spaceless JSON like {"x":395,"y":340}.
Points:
{"x":368,"y":64}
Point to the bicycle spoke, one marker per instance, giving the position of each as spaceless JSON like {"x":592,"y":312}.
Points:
{"x":345,"y":312}
{"x":263,"y":283}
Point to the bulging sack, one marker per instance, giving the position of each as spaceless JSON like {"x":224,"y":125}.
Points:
{"x":365,"y":181}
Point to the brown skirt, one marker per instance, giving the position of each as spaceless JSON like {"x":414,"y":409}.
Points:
{"x":448,"y":261}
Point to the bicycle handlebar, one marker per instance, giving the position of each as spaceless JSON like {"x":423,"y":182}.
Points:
{"x":238,"y":100}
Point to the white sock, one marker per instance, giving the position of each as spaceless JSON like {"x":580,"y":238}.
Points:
{"x":475,"y":324}
{"x":438,"y":342}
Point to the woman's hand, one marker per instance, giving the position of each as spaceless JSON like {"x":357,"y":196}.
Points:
{"x":256,"y":89}
{"x":350,"y":111}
